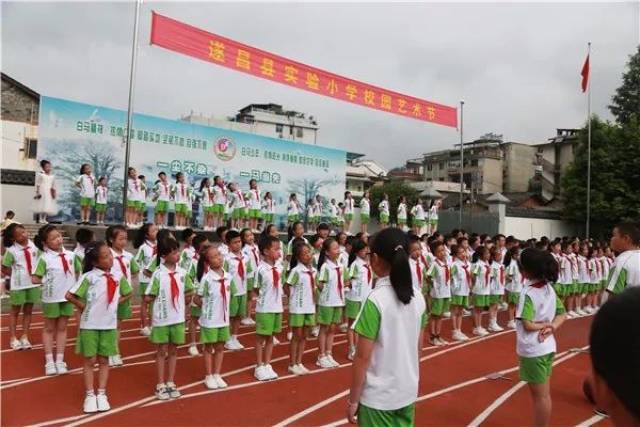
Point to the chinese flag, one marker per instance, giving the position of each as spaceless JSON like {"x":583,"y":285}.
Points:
{"x":585,"y":74}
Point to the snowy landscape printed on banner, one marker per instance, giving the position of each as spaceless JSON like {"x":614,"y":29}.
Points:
{"x":73,"y":133}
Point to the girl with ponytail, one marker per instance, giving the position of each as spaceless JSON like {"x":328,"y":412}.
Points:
{"x":388,"y":326}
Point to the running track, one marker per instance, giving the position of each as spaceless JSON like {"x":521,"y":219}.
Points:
{"x":454,"y":388}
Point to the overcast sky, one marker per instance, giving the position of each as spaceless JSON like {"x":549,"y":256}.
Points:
{"x":516,"y":66}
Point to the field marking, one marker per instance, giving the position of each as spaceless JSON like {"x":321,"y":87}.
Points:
{"x":591,"y":421}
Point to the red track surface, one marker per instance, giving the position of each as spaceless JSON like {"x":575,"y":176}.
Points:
{"x":30,"y":398}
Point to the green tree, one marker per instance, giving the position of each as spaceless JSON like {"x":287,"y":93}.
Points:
{"x":625,"y":105}
{"x":394,"y":190}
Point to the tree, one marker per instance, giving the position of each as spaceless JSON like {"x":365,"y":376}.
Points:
{"x":394,"y":190}
{"x":625,"y":104}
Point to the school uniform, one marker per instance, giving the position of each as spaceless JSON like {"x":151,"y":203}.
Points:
{"x":334,"y":214}
{"x":302,"y":284}
{"x":253,"y":255}
{"x":343,"y":257}
{"x":237,"y":205}
{"x":334,"y":278}
{"x":58,"y":271}
{"x":514,"y":283}
{"x":22,"y":260}
{"x":134,"y":193}
{"x":292,"y":211}
{"x":101,"y":292}
{"x":461,"y":283}
{"x":124,"y":265}
{"x":625,"y":272}
{"x":418,"y":216}
{"x":365,"y":211}
{"x":391,"y":381}
{"x":565,"y":277}
{"x":182,"y":197}
{"x":185,"y":257}
{"x":146,"y":254}
{"x":575,"y":275}
{"x":268,"y":210}
{"x":219,"y":199}
{"x":207,"y":200}
{"x":595,"y":276}
{"x":253,"y":203}
{"x":584,"y":275}
{"x":402,"y":214}
{"x":606,"y":271}
{"x":418,"y":276}
{"x":102,"y":198}
{"x":498,"y":282}
{"x":440,"y":278}
{"x":383,"y":208}
{"x":168,"y":311}
{"x":239,"y":268}
{"x":311,"y":210}
{"x":361,"y":277}
{"x":269,"y":282}
{"x":216,"y":292}
{"x":481,"y":291}
{"x":433,"y":216}
{"x":87,"y":189}
{"x":318,"y":212}
{"x":348,"y":209}
{"x":538,"y":303}
{"x":290,"y":245}
{"x":162,"y":195}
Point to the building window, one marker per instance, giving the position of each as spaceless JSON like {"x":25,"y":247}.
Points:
{"x":299,"y":133}
{"x":429,"y":167}
{"x":291,"y":130}
{"x":30,"y":148}
{"x":441,"y":165}
{"x":278,"y":128}
{"x":474,"y":162}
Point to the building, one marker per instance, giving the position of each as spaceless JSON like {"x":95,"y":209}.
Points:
{"x":551,"y":162}
{"x":19,"y":115}
{"x":362,"y":174}
{"x":265,"y":119}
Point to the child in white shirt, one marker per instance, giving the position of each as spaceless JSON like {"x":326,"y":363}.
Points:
{"x":102,"y":198}
{"x":87,"y":185}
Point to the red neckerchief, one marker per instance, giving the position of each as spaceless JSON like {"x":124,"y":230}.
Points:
{"x":502,"y":275}
{"x":338,"y":273}
{"x":210,"y":194}
{"x":240,"y":267}
{"x":424,"y":260}
{"x":135,"y":183}
{"x":154,"y":248}
{"x":539,"y":285}
{"x":447,"y":273}
{"x":255,"y":255}
{"x":166,"y":187}
{"x":369,"y":275}
{"x":65,"y":263}
{"x":182,"y":190}
{"x":312,"y":282}
{"x":467,"y":273}
{"x":418,"y":272}
{"x":255,"y":191}
{"x":240,"y":196}
{"x":223,"y":292}
{"x":487,"y":271}
{"x":90,"y":179}
{"x":112,"y":285}
{"x":275,"y":276}
{"x":123,"y":267}
{"x":175,"y":290}
{"x":27,"y":257}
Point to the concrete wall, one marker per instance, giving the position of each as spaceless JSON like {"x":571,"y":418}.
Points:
{"x":519,"y":167}
{"x":13,"y":141}
{"x":491,"y":176}
{"x":527,"y":228}
{"x":18,"y":105}
{"x":18,"y":198}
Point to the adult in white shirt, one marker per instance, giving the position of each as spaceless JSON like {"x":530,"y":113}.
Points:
{"x":385,"y":374}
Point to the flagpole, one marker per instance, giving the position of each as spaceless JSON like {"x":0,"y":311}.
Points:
{"x":588,"y":144}
{"x":461,"y":162}
{"x":127,"y":138}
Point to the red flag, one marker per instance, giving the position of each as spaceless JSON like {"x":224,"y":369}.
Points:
{"x":585,"y":74}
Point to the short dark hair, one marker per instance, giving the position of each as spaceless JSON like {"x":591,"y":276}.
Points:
{"x":186,"y":233}
{"x":84,"y":236}
{"x":10,"y":214}
{"x":539,"y":264}
{"x":630,"y":229}
{"x":323,"y":226}
{"x":615,"y":347}
{"x":266,"y":242}
{"x":231,"y":234}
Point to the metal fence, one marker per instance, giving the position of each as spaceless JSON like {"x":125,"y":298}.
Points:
{"x":472,"y":222}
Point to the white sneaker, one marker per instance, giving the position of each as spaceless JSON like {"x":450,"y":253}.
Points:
{"x":15,"y":344}
{"x":572,"y":314}
{"x":193,"y":350}
{"x":102,"y":402}
{"x":261,"y":373}
{"x":161,"y":392}
{"x":289,"y":335}
{"x":50,"y":369}
{"x":464,"y":336}
{"x":446,"y":314}
{"x":504,"y":306}
{"x":324,"y":362}
{"x":494,"y":327}
{"x":333,"y":361}
{"x":210,"y":382}
{"x":315,"y":331}
{"x":457,"y":336}
{"x":466,"y":312}
{"x":589,"y":309}
{"x":173,"y":391}
{"x":111,"y":363}
{"x":61,"y":368}
{"x":247,"y":321}
{"x":271,"y":373}
{"x":484,"y":332}
{"x":293,"y":369}
{"x":146,"y":331}
{"x":442,"y":341}
{"x":434,"y":341}
{"x":90,"y":404}
{"x":221,"y":383}
{"x":24,"y":343}
{"x":580,"y":312}
{"x":276,"y":341}
{"x":511,"y":324}
{"x":117,"y":360}
{"x":303,"y":369}
{"x":352,"y":353}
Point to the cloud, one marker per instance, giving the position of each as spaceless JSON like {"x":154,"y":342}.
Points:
{"x":515,"y":65}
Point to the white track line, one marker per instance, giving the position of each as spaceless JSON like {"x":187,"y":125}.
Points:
{"x":506,"y":395}
{"x":295,"y":417}
{"x":13,"y":381}
{"x":59,"y":421}
{"x":591,"y":421}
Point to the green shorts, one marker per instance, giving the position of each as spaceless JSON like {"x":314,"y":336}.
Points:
{"x":513,"y":297}
{"x":162,"y":206}
{"x":348,"y":216}
{"x":480,"y":301}
{"x":86,"y":201}
{"x":495,"y":299}
{"x":433,"y":222}
{"x":418,"y":222}
{"x":25,"y":296}
{"x":364,"y":219}
{"x":207,"y":210}
{"x":143,"y":288}
{"x":181,"y":209}
{"x":268,"y":323}
{"x":238,"y":213}
{"x":536,"y":370}
{"x":268,"y":217}
{"x":424,"y":320}
{"x":402,"y":221}
{"x":459,"y":300}
{"x":558,"y":288}
{"x":101,"y":207}
{"x":292,"y":218}
{"x":255,"y":213}
{"x":195,"y":311}
{"x":352,"y":309}
{"x":403,"y":417}
{"x":124,"y":310}
{"x":95,"y":342}
{"x":439,"y":306}
{"x":238,"y":306}
{"x":218,"y":208}
{"x":141,"y":206}
{"x":53,"y":310}
{"x":169,"y":334}
{"x":300,"y":320}
{"x":329,"y":315}
{"x":214,"y":335}
{"x":384,"y":218}
{"x":132,"y":203}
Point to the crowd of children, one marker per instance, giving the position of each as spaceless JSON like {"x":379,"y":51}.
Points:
{"x":322,"y":282}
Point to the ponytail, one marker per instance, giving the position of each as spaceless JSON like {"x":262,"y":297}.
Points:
{"x":202,"y":262}
{"x":392,"y":245}
{"x":322,"y":258}
{"x":356,"y":246}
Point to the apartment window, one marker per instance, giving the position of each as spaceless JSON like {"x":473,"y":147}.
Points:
{"x":291,"y":130}
{"x":429,"y":167}
{"x":299,"y":133}
{"x":30,"y":148}
{"x":441,"y":165}
{"x":474,"y":162}
{"x":278,"y":128}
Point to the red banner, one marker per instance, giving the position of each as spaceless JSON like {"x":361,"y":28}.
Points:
{"x":183,"y":38}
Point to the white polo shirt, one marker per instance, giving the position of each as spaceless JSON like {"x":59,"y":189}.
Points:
{"x":462,"y":278}
{"x":240,"y":269}
{"x":124,"y":265}
{"x":361,"y":277}
{"x":498,"y":278}
{"x":15,"y":257}
{"x":625,"y":271}
{"x":391,"y":381}
{"x":402,"y":211}
{"x":168,"y":307}
{"x":515,"y":282}
{"x":383,"y":207}
{"x":302,"y":280}
{"x":58,"y":271}
{"x":146,"y":254}
{"x":253,"y":198}
{"x":163,"y":190}
{"x":269,"y":292}
{"x":334,"y":279}
{"x":102,"y":194}
{"x":182,"y":193}
{"x":440,"y":274}
{"x":482,"y":278}
{"x":219,"y":195}
{"x":418,"y":274}
{"x":87,"y":185}
{"x":536,"y":304}
{"x":365,"y":206}
{"x":216,"y":292}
